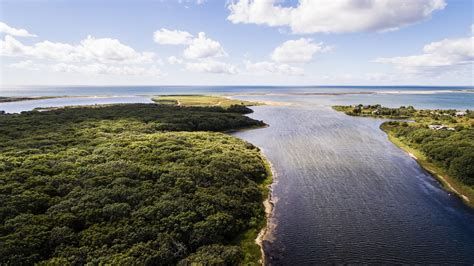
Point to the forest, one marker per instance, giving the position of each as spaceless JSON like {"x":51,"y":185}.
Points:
{"x":451,"y":150}
{"x":376,"y":110}
{"x":131,"y":184}
{"x":445,"y":138}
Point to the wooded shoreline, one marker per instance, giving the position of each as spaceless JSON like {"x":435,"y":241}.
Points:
{"x":441,"y":141}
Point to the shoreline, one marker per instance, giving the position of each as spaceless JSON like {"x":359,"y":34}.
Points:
{"x":447,"y":182}
{"x":268,"y":206}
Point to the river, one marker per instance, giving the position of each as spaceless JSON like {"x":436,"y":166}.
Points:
{"x":345,"y":194}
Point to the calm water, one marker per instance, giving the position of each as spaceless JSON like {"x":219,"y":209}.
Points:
{"x":17,"y":107}
{"x":345,"y":194}
{"x":157,"y":90}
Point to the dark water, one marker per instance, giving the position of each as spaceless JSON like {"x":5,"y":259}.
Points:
{"x":345,"y":194}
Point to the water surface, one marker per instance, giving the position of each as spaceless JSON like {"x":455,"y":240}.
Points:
{"x":345,"y":194}
{"x":20,"y":106}
{"x":392,"y":96}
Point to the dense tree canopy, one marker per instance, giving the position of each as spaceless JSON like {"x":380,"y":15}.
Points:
{"x":452,"y":150}
{"x":124,"y":185}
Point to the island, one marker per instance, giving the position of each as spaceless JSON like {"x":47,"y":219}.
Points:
{"x":131,"y":184}
{"x":441,"y":141}
{"x":202,"y":100}
{"x":18,"y":99}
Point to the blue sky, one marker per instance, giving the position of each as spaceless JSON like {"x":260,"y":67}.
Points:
{"x":245,"y":42}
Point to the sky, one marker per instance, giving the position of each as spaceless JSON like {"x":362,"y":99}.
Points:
{"x":239,"y":42}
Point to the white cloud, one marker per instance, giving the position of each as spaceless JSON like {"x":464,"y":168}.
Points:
{"x":335,"y":16}
{"x":203,"y":47}
{"x":266,"y":67}
{"x":12,"y":47}
{"x":164,"y":36}
{"x":197,"y":2}
{"x":443,"y":55}
{"x":212,"y":66}
{"x":95,"y":69}
{"x":27,"y":64}
{"x":111,"y":50}
{"x":103,"y":50}
{"x":173,"y":60}
{"x":4,"y":28}
{"x":101,"y":69}
{"x":298,"y":51}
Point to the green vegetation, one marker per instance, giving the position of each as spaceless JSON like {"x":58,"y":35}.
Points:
{"x":17,"y":99}
{"x":201,"y":100}
{"x":442,"y":141}
{"x":129,"y":184}
{"x":376,"y":111}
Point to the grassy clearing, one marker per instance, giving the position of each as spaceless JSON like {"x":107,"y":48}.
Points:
{"x":200,"y":100}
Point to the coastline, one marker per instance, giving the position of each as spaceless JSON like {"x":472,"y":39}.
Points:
{"x":451,"y":184}
{"x":448,"y":183}
{"x":268,"y":205}
{"x":251,"y":241}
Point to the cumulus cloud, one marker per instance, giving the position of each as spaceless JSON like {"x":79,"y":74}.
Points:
{"x":442,"y":55}
{"x":4,"y":28}
{"x":266,"y":67}
{"x":212,"y":66}
{"x":334,"y":16}
{"x":203,"y":47}
{"x":174,"y":37}
{"x":298,"y":51}
{"x":27,"y":64}
{"x":199,"y":54}
{"x":199,"y":47}
{"x":95,"y":69}
{"x":103,"y":50}
{"x":173,"y":60}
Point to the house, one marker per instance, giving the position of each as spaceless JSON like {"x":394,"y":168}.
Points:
{"x":434,"y":127}
{"x":437,"y":127}
{"x":460,"y":113}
